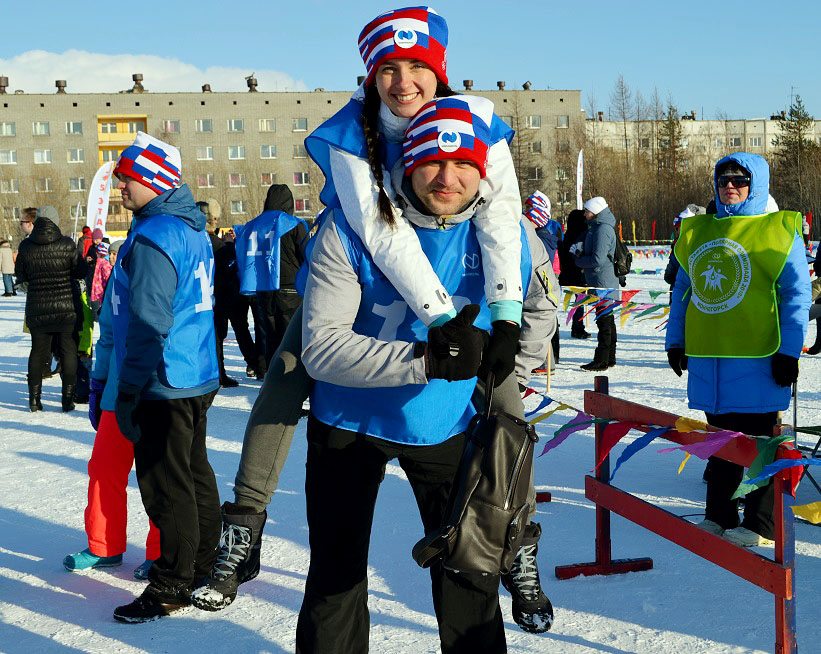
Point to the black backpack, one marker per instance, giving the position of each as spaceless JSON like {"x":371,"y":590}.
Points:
{"x":622,"y":258}
{"x":487,"y":510}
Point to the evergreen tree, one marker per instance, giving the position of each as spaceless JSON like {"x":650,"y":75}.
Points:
{"x":796,"y":160}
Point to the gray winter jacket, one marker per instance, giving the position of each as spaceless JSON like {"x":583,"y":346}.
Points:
{"x":599,"y":249}
{"x":333,"y":352}
{"x":6,"y":258}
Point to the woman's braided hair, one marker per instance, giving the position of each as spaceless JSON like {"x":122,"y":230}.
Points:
{"x":370,"y":126}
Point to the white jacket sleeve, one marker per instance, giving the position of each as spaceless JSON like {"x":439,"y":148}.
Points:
{"x":396,"y":251}
{"x":497,"y":226}
{"x":331,"y":350}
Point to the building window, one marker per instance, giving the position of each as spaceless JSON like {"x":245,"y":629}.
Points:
{"x":300,"y":152}
{"x":109,"y":155}
{"x":302,"y":206}
{"x":267,"y":152}
{"x":266,"y":179}
{"x":701,"y":149}
{"x":12,"y":213}
{"x":535,"y":147}
{"x":735,"y":141}
{"x":135,"y":126}
{"x":75,"y":155}
{"x":171,"y":126}
{"x":533,"y":122}
{"x":8,"y":156}
{"x":755,"y":141}
{"x":626,"y":143}
{"x":267,"y":125}
{"x":561,"y":174}
{"x":76,"y":183}
{"x":534,"y":173}
{"x":562,"y":121}
{"x":79,"y":210}
{"x":40,"y":128}
{"x":236,"y":180}
{"x":43,"y":185}
{"x":299,"y":125}
{"x":7,"y":129}
{"x":564,"y":197}
{"x":664,"y":143}
{"x":9,"y":186}
{"x":203,"y":125}
{"x":718,"y":142}
{"x":236,"y":152}
{"x":205,"y":152}
{"x":205,"y":180}
{"x":42,"y":156}
{"x":74,"y":127}
{"x":684,"y":143}
{"x":507,"y":120}
{"x":564,"y":146}
{"x":644,"y":142}
{"x":237,"y":206}
{"x":301,"y":179}
{"x":109,"y":128}
{"x":236,"y":125}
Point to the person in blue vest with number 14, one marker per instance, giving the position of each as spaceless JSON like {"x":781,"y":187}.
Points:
{"x":166,"y":349}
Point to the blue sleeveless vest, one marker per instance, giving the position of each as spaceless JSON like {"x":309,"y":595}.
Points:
{"x":190,"y":351}
{"x":257,"y":246}
{"x":418,"y":414}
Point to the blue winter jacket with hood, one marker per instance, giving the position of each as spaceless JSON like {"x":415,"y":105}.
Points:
{"x":599,"y":249}
{"x":149,"y":267}
{"x":746,"y":385}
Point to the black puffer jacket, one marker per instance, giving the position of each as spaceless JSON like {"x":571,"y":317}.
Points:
{"x":571,"y":274}
{"x":50,"y":263}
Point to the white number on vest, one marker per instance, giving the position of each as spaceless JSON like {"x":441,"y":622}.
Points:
{"x":206,"y":286}
{"x":394,"y":314}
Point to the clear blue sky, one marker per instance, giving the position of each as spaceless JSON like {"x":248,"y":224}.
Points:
{"x":741,"y":58}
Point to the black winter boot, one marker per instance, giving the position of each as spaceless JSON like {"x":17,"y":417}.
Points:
{"x":532,"y":610}
{"x":68,"y":397}
{"x":34,"y":397}
{"x":599,"y":362}
{"x":237,"y":558}
{"x":815,"y":348}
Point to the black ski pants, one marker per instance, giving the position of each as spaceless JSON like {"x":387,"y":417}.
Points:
{"x":275,"y":310}
{"x":343,"y":473}
{"x":237,"y":313}
{"x":723,"y":477}
{"x":607,"y":338}
{"x":178,"y":489}
{"x":40,"y":356}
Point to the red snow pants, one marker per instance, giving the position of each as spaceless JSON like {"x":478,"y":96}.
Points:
{"x":106,"y":513}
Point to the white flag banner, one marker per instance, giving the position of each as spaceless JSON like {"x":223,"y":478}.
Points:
{"x":579,"y":180}
{"x":97,"y":208}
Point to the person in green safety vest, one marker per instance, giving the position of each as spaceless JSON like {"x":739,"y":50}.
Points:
{"x":737,"y":324}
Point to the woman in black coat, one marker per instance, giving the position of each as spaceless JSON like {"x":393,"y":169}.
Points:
{"x":51,"y":264}
{"x":571,"y":274}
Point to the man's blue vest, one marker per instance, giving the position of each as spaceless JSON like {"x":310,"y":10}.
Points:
{"x":419,"y":414}
{"x":189,"y":354}
{"x":257,"y":246}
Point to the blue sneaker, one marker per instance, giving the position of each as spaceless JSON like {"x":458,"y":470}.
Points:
{"x":141,"y":571}
{"x":85,"y":560}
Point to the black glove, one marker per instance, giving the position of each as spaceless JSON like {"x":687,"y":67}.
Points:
{"x":454,"y":350}
{"x":500,"y":355}
{"x":785,"y":369}
{"x":124,"y":410}
{"x":677,"y":359}
{"x":95,"y":397}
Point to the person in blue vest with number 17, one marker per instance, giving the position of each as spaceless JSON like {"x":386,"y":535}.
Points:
{"x":166,"y":349}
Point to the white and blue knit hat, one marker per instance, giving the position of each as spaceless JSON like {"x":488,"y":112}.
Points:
{"x":151,"y":162}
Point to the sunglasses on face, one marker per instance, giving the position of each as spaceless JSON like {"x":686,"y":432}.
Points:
{"x":738,"y":181}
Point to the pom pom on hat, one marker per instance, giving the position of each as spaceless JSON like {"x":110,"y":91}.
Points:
{"x":408,"y":33}
{"x":151,"y":162}
{"x":456,"y":127}
{"x":596,"y":205}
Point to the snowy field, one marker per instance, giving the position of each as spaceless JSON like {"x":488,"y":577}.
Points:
{"x":684,"y":605}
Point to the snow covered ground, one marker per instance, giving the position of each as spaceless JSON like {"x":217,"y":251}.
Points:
{"x":684,"y":604}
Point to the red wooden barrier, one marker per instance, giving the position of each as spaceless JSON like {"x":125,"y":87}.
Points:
{"x":776,"y":576}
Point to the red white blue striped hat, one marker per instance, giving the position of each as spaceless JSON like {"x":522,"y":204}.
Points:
{"x":540,"y":199}
{"x":409,"y":33}
{"x":151,"y":162}
{"x":456,"y":127}
{"x":538,"y":215}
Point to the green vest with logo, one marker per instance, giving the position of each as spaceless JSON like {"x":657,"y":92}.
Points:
{"x":733,"y":263}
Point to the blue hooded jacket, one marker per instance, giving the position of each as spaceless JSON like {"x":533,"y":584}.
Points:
{"x":599,"y":249}
{"x":149,"y":267}
{"x":746,"y":385}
